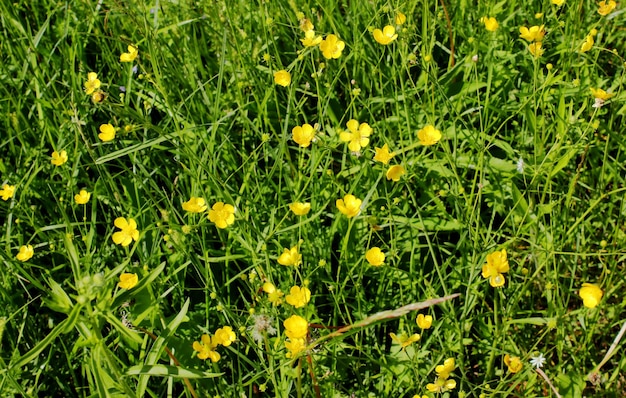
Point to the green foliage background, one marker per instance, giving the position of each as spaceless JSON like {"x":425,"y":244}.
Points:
{"x":526,"y":163}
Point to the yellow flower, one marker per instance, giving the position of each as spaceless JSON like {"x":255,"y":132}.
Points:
{"x":130,"y":55}
{"x":7,"y":191}
{"x":443,"y":371}
{"x":349,"y":205}
{"x":590,"y":293}
{"x":294,"y":346}
{"x":282,"y":78}
{"x":513,"y":363}
{"x":497,"y":264}
{"x":268,"y":287}
{"x":395,"y":172}
{"x":424,"y":321}
{"x":306,"y":25}
{"x":441,"y":385}
{"x":601,"y":94}
{"x":97,"y":97}
{"x":490,"y":23}
{"x":224,"y":336}
{"x":605,"y":8}
{"x":587,"y":44}
{"x":535,"y":33}
{"x":290,"y":257}
{"x":92,"y":83}
{"x":535,"y":49}
{"x":558,"y":3}
{"x":310,"y":40}
{"x":332,"y":47}
{"x":128,"y":281}
{"x":82,"y":197}
{"x":222,"y":215}
{"x":375,"y":256}
{"x":385,"y":36}
{"x":128,"y":231}
{"x":58,"y":158}
{"x":107,"y":132}
{"x":298,"y":296}
{"x":206,"y":349}
{"x":357,"y":136}
{"x":405,"y":340}
{"x":296,"y":327}
{"x":299,"y":208}
{"x":195,"y":205}
{"x":400,"y":18}
{"x":274,"y":295}
{"x":25,"y":253}
{"x":383,"y":155}
{"x":303,"y":135}
{"x":429,"y":135}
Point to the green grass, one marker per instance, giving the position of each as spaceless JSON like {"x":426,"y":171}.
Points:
{"x":526,"y":163}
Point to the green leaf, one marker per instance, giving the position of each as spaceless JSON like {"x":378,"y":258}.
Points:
{"x":169,"y":371}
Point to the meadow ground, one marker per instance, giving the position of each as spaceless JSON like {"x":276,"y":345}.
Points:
{"x":312,"y":198}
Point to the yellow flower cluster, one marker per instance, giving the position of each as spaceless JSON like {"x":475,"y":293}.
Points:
{"x":442,"y":383}
{"x":207,"y":346}
{"x":296,"y":329}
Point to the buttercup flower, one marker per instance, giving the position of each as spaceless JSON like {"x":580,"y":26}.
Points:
{"x":405,"y":340}
{"x":557,"y":3}
{"x":82,"y":197}
{"x":294,"y":346}
{"x":92,"y":83}
{"x":299,"y":208}
{"x":303,"y":135}
{"x":424,"y":321}
{"x":107,"y":132}
{"x":282,"y":78}
{"x":443,"y":371}
{"x":206,"y":349}
{"x":290,"y":257}
{"x":375,"y":256}
{"x":58,"y":158}
{"x":513,"y":363}
{"x":591,"y":295}
{"x":222,"y":215}
{"x":195,"y":205}
{"x":400,"y":18}
{"x":128,"y":231}
{"x":535,"y":33}
{"x":349,"y":205}
{"x":306,"y":25}
{"x":310,"y":39}
{"x":7,"y":191}
{"x":128,"y":281}
{"x":131,"y":55}
{"x":298,"y":296}
{"x":490,"y":23}
{"x":587,"y":44}
{"x":497,"y":264}
{"x":332,"y":47}
{"x":601,"y":94}
{"x":429,"y":135}
{"x":296,"y":327}
{"x":383,"y":155}
{"x":395,"y":172}
{"x":441,"y":385}
{"x":357,"y":136}
{"x":224,"y":336}
{"x":25,"y":253}
{"x":605,"y":8}
{"x":385,"y":36}
{"x":535,"y":49}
